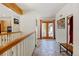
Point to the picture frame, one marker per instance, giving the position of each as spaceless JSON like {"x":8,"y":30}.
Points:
{"x":61,"y":23}
{"x":16,"y":21}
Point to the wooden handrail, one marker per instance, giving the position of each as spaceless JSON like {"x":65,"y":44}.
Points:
{"x":14,"y":42}
{"x":8,"y":33}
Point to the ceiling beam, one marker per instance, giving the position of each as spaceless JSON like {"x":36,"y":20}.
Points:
{"x":14,"y":7}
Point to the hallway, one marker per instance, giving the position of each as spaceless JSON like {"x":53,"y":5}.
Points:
{"x":48,"y":47}
{"x":43,"y":25}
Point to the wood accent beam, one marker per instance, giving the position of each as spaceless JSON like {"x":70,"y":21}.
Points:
{"x":14,"y":7}
{"x":14,"y":42}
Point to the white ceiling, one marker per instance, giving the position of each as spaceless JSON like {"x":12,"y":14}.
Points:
{"x":45,"y":9}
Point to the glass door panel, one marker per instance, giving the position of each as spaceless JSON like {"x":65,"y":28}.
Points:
{"x":50,"y":29}
{"x":43,"y":29}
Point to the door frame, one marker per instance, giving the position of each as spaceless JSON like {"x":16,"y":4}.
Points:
{"x":47,"y":35}
{"x":68,"y":18}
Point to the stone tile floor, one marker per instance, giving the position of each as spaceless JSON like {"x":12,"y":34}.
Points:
{"x":48,"y":47}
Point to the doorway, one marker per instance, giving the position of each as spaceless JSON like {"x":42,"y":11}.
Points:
{"x":70,"y":30}
{"x":47,"y":29}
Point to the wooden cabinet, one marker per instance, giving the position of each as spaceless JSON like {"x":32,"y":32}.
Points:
{"x":3,"y":25}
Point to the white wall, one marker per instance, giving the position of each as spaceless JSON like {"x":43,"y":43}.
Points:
{"x":61,"y":34}
{"x":76,"y":29}
{"x":28,"y":24}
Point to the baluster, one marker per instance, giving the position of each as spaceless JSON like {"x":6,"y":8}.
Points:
{"x":26,"y":47}
{"x":3,"y":42}
{"x":8,"y":40}
{"x":14,"y":48}
{"x":19,"y":46}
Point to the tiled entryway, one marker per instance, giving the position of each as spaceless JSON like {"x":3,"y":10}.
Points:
{"x":48,"y":47}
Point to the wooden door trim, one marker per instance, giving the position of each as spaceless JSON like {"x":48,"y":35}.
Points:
{"x":47,"y":35}
{"x":54,"y":28}
{"x":68,"y":18}
{"x":40,"y":29}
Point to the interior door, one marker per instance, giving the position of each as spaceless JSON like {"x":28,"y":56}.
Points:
{"x":47,"y":29}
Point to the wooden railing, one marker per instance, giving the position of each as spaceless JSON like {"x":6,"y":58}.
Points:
{"x":8,"y":33}
{"x":14,"y":42}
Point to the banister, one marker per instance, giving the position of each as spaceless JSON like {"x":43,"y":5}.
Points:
{"x":14,"y":42}
{"x":8,"y":33}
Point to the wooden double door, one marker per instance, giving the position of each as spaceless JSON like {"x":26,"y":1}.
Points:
{"x":47,"y":29}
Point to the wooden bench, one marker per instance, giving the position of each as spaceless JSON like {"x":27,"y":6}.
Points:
{"x":68,"y":47}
